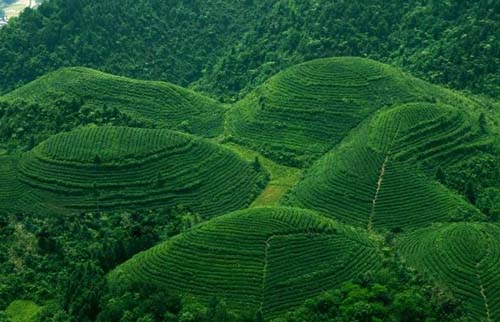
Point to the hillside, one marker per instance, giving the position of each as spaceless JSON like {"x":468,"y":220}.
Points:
{"x":156,"y":104}
{"x":383,"y":174}
{"x":337,"y":184}
{"x":463,"y":257}
{"x":227,"y":48}
{"x":303,"y":112}
{"x":109,"y":168}
{"x":283,"y":257}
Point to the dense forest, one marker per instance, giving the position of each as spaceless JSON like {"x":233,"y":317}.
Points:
{"x":227,"y":48}
{"x":250,"y":161}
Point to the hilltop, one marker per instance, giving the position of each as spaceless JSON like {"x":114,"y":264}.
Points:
{"x":156,"y":104}
{"x":284,"y":256}
{"x":303,"y":112}
{"x":465,"y":257}
{"x":384,"y":174}
{"x":110,"y":168}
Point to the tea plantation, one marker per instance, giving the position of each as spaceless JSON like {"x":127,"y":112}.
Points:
{"x":157,"y":104}
{"x":377,"y":177}
{"x":306,"y":110}
{"x":269,"y":259}
{"x":106,"y":168}
{"x":330,"y":172}
{"x":463,"y":257}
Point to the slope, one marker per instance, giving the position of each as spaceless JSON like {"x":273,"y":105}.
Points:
{"x":107,"y":168}
{"x":382,"y":176}
{"x":269,"y":259}
{"x":463,"y":257}
{"x":304,"y":111}
{"x":157,"y":104}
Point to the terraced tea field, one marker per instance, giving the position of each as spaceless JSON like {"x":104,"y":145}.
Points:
{"x":346,"y":141}
{"x":156,"y":103}
{"x":124,"y":168}
{"x":377,"y":177}
{"x":304,"y":111}
{"x":269,"y":259}
{"x":463,"y":257}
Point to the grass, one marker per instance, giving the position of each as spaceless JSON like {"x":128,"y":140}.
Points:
{"x":282,"y":178}
{"x":465,"y":259}
{"x":107,"y":168}
{"x":269,"y":259}
{"x":158,"y":104}
{"x":23,"y":311}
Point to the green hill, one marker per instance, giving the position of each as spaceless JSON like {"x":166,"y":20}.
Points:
{"x":107,"y":168}
{"x":463,"y":257}
{"x":269,"y":259}
{"x":304,"y":111}
{"x":157,"y":104}
{"x":382,"y":176}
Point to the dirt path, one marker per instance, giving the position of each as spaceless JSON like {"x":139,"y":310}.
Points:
{"x":377,"y":192}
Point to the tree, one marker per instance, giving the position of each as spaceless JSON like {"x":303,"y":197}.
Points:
{"x":440,"y":175}
{"x":470,"y":192}
{"x":483,"y":124}
{"x":256,"y":164}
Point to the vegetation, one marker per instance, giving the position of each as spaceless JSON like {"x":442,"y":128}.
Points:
{"x":227,"y":48}
{"x":109,"y":168}
{"x":24,"y":125}
{"x":161,"y":104}
{"x":299,"y":174}
{"x":303,"y":112}
{"x":463,"y":257}
{"x":386,"y":168}
{"x":23,"y":311}
{"x":283,"y":256}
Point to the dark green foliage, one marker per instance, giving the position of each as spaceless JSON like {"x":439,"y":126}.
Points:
{"x":483,"y":124}
{"x":440,"y":175}
{"x":226,"y":47}
{"x":394,"y":294}
{"x":488,"y":202}
{"x":470,"y":192}
{"x":82,"y":291}
{"x":23,"y":124}
{"x":60,"y":261}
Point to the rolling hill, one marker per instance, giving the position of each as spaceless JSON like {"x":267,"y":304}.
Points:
{"x":157,"y":104}
{"x":464,"y":258}
{"x":303,"y":112}
{"x":268,"y":259}
{"x":382,"y":175}
{"x":108,"y":168}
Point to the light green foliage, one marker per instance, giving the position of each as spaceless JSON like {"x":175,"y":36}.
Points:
{"x":463,"y":257}
{"x":23,"y":311}
{"x":377,"y":177}
{"x":157,"y":104}
{"x":108,"y":168}
{"x":282,"y":178}
{"x":268,"y":259}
